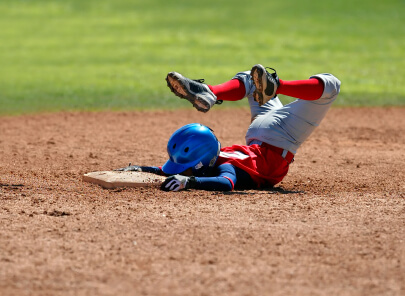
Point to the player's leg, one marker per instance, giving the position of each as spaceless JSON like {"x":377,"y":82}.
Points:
{"x":232,"y":90}
{"x":268,"y":85}
{"x":288,"y":127}
{"x":315,"y":97}
{"x":204,"y":96}
{"x":255,"y":108}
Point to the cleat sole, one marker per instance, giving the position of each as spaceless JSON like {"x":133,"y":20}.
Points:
{"x":181,"y":90}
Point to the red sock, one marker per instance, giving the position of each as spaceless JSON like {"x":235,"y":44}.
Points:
{"x":232,"y":90}
{"x":309,"y":90}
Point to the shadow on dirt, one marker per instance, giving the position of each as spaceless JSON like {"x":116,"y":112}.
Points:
{"x":272,"y":190}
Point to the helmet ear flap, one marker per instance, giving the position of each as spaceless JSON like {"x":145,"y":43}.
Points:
{"x":200,"y":170}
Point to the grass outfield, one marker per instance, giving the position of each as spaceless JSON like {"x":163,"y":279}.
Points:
{"x":97,"y":55}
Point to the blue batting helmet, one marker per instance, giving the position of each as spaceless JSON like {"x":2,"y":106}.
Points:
{"x":192,"y":146}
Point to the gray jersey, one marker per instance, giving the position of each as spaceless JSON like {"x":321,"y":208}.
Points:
{"x":287,"y":126}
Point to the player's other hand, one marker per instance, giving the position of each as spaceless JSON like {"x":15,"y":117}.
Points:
{"x":130,"y":168}
{"x":178,"y":182}
{"x":137,"y":168}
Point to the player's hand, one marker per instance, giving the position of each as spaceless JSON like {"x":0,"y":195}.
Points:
{"x":177,"y":182}
{"x":130,"y":168}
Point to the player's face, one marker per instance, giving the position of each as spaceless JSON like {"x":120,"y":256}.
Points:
{"x":188,"y":172}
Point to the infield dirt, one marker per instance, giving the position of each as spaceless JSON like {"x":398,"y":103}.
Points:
{"x":334,"y":226}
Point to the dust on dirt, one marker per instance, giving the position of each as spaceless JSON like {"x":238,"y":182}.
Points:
{"x":335,"y":225}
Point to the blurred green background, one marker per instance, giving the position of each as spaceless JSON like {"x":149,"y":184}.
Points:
{"x":114,"y":55}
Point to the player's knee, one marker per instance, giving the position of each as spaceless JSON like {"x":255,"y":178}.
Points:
{"x":331,"y":85}
{"x":247,"y":81}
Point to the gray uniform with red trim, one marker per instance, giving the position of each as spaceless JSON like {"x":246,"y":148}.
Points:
{"x":287,"y":126}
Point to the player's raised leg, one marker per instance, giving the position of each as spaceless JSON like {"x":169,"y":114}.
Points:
{"x":268,"y":85}
{"x":288,"y":127}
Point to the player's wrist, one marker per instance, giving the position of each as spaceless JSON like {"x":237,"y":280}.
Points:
{"x":191,"y":182}
{"x":151,"y":169}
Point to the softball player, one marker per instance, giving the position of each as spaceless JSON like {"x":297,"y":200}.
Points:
{"x":272,"y":139}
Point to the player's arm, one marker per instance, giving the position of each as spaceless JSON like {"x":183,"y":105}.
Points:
{"x":146,"y":169}
{"x":224,"y":180}
{"x":226,"y":177}
{"x":179,"y":182}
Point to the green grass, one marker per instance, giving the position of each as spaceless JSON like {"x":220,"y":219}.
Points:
{"x":96,"y":55}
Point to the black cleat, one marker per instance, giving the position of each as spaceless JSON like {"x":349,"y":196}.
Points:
{"x":195,"y":91}
{"x":266,"y":83}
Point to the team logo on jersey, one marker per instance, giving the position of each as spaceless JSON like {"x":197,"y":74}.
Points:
{"x":234,"y":154}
